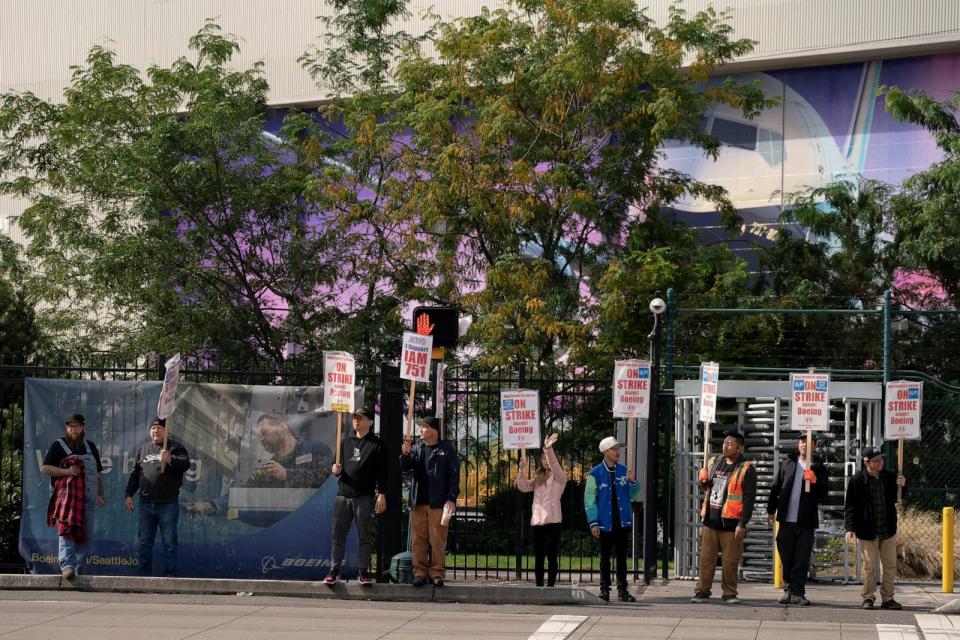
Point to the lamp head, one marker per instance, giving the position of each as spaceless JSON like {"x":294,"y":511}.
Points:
{"x":657,"y":306}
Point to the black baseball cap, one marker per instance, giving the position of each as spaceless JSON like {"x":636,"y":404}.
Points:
{"x":158,"y":421}
{"x":366,"y":412}
{"x":430,"y":421}
{"x":75,"y":417}
{"x":872,"y":452}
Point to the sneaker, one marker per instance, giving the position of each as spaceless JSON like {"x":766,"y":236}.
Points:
{"x":785,"y":598}
{"x":891,"y":604}
{"x":69,"y":574}
{"x":419,"y":581}
{"x":438,"y":582}
{"x":700,"y":598}
{"x":364,"y":578}
{"x":800,"y":601}
{"x":605,"y":595}
{"x":625,"y":596}
{"x":332,"y":578}
{"x":731,"y":600}
{"x":867,"y":603}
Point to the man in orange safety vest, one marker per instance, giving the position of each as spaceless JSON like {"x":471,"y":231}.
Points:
{"x":730,"y":485}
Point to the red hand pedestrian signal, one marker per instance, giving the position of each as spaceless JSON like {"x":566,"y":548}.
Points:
{"x":424,"y":327}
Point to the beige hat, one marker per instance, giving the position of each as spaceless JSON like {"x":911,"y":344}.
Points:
{"x":608,"y":443}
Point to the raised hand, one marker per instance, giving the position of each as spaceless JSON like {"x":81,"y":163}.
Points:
{"x":424,"y":327}
{"x":551,"y":440}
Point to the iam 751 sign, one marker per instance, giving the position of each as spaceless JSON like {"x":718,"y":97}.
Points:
{"x":415,"y":357}
{"x":810,"y":401}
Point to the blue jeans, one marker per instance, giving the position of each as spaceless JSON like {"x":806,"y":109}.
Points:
{"x":71,"y":554}
{"x":165,"y":516}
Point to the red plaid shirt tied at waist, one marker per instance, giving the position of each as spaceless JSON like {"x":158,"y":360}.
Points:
{"x":67,"y":508}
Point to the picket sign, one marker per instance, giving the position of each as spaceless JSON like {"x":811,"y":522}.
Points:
{"x":339,"y":382}
{"x":709,"y":383}
{"x":415,"y":367}
{"x":901,"y":416}
{"x":168,"y":397}
{"x":520,"y":419}
{"x":631,"y":398}
{"x":809,"y":407}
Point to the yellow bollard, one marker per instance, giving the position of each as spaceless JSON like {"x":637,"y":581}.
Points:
{"x":777,"y":565}
{"x":948,"y":519}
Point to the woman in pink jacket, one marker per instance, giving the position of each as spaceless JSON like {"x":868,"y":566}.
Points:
{"x":547,"y":485}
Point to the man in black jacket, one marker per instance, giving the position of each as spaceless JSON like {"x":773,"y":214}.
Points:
{"x":870,"y":516}
{"x":159,"y":496}
{"x":362,"y":470}
{"x":436,"y":485}
{"x":797,"y":512}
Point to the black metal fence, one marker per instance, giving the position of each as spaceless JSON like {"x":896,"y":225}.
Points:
{"x":490,"y":537}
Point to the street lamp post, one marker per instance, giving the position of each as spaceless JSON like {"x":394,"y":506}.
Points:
{"x":657,"y":307}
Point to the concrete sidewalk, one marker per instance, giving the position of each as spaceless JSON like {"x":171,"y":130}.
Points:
{"x":31,"y":615}
{"x":832,"y":602}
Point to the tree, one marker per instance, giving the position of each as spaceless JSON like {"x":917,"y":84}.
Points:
{"x":848,"y":260}
{"x":926,"y":212}
{"x":519,"y":158}
{"x":164,"y":218}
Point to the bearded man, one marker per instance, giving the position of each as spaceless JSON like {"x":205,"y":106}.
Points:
{"x":76,"y":475}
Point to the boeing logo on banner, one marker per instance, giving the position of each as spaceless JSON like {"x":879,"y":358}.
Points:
{"x":643,"y":373}
{"x":508,"y":404}
{"x":798,"y":385}
{"x":913,"y":394}
{"x":821,"y":385}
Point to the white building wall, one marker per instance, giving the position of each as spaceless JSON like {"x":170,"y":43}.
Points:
{"x":792,"y":33}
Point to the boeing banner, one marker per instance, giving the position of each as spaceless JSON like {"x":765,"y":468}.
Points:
{"x":255,"y":503}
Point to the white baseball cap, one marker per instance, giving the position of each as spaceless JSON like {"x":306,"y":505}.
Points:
{"x":608,"y":443}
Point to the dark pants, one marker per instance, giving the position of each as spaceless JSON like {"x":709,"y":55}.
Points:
{"x":546,"y":542}
{"x":795,"y":545}
{"x":153,"y":515}
{"x":345,"y":511}
{"x":618,"y":540}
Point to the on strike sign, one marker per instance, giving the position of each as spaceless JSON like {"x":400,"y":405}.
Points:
{"x":709,"y":381}
{"x":415,"y":359}
{"x":810,"y":401}
{"x":631,"y":389}
{"x":339,"y":378}
{"x":902,"y":415}
{"x":520,"y":417}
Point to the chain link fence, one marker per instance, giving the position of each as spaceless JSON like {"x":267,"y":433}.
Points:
{"x":870,"y":341}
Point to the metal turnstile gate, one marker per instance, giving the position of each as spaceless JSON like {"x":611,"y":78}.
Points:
{"x":760,"y":410}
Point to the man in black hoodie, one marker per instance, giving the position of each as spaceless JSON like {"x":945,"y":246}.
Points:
{"x":159,"y":496}
{"x":870,"y":516}
{"x":362,"y":469}
{"x":797,"y":512}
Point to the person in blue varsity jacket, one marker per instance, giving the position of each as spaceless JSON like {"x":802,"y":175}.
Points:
{"x":607,"y":498}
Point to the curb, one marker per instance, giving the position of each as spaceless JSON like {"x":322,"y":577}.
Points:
{"x":471,"y":594}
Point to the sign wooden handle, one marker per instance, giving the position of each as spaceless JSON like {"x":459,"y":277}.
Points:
{"x":631,"y":457}
{"x":706,"y":444}
{"x":339,"y":432}
{"x":806,"y":483}
{"x":163,"y":465}
{"x":413,"y":385}
{"x":899,"y":466}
